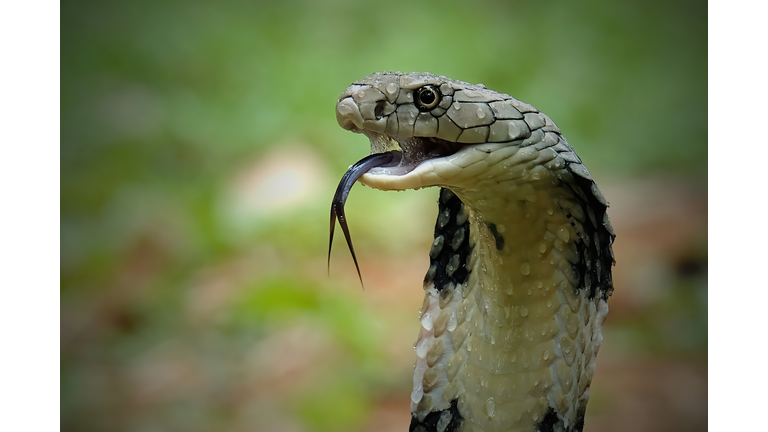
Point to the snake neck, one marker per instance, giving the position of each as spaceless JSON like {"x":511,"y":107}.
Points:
{"x":509,"y":329}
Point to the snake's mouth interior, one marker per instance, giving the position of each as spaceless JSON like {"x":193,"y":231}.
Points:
{"x":410,"y":152}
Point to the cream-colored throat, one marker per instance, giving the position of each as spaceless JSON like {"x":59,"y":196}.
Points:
{"x":512,"y":346}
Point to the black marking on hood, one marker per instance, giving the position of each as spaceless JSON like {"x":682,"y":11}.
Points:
{"x":593,"y":270}
{"x":451,"y":249}
{"x":552,"y":422}
{"x":447,"y":420}
{"x":496,"y":235}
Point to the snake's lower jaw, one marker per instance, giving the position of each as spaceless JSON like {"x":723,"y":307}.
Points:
{"x":399,"y":179}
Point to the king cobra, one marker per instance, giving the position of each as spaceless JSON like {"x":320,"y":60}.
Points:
{"x":520,"y":267}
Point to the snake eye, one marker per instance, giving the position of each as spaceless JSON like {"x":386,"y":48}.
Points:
{"x":427,"y":98}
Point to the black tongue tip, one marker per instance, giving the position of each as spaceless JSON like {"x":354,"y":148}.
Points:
{"x":342,"y":192}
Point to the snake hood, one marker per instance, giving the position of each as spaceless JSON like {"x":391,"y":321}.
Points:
{"x":520,"y":267}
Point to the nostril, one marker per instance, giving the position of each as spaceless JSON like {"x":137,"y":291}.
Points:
{"x":378,"y":111}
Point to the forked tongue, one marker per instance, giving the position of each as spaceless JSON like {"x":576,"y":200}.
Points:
{"x":342,"y":192}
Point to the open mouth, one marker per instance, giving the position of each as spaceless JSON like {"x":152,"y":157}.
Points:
{"x":412,"y":152}
{"x":389,"y":157}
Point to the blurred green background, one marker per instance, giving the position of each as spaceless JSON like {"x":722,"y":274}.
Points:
{"x":200,"y":152}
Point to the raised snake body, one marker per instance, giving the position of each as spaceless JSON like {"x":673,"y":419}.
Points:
{"x":520,"y":268}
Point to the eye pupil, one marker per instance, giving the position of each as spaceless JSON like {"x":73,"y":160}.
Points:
{"x":427,"y":98}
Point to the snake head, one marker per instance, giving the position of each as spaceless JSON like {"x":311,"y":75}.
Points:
{"x":440,"y":125}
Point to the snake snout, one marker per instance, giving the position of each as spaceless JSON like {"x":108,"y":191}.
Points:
{"x":348,"y":115}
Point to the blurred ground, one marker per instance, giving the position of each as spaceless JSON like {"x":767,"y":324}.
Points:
{"x":199,"y":156}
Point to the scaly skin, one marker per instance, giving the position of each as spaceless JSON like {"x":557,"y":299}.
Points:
{"x":520,"y":273}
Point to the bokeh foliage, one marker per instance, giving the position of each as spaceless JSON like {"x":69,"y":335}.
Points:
{"x":164,"y":101}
